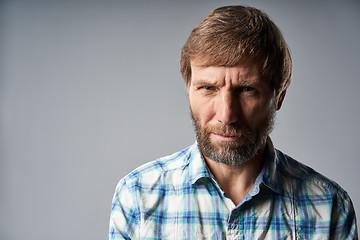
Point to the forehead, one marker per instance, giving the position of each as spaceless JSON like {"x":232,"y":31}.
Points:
{"x":241,"y":73}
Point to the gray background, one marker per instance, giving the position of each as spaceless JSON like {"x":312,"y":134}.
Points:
{"x":90,"y":90}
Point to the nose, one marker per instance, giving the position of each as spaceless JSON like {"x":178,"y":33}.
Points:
{"x":227,"y":111}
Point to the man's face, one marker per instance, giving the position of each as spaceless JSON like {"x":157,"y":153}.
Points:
{"x":233,"y":111}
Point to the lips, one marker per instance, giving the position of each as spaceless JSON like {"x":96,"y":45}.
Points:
{"x":225,"y":137}
{"x":234,"y":133}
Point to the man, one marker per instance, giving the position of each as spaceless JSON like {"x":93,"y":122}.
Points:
{"x":232,"y":183}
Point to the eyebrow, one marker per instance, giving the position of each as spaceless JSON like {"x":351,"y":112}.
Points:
{"x":244,"y":83}
{"x":205,"y":82}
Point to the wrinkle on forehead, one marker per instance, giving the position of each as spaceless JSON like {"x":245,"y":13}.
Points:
{"x":238,"y":75}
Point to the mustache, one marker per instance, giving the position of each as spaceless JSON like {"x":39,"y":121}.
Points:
{"x":227,"y":130}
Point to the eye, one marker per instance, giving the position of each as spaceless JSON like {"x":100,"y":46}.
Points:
{"x":247,"y":89}
{"x":208,"y":88}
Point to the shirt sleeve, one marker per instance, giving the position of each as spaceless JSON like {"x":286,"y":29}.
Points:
{"x":125,"y":216}
{"x":343,"y":219}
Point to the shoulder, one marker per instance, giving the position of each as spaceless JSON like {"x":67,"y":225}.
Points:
{"x":318,"y":199}
{"x":306,"y":184}
{"x":292,"y":169}
{"x":154,"y":171}
{"x":140,"y":190}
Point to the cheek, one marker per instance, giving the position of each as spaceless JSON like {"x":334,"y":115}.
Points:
{"x":256,"y":112}
{"x":203,"y":112}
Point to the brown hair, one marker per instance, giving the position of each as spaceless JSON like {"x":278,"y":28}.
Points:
{"x":235,"y":34}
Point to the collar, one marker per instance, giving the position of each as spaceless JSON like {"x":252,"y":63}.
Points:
{"x":272,"y":168}
{"x":270,"y":175}
{"x":197,"y":165}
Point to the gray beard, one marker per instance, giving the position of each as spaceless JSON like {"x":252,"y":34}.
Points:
{"x":233,"y":153}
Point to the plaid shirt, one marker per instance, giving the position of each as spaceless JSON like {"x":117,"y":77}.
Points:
{"x":176,"y":197}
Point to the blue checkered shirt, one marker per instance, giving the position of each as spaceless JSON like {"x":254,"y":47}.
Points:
{"x":176,"y":197}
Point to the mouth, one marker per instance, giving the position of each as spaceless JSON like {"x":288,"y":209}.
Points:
{"x":224,"y":137}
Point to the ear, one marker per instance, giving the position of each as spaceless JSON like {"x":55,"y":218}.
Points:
{"x":280,"y":100}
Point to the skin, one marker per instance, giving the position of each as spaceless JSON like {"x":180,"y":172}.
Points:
{"x":232,"y":96}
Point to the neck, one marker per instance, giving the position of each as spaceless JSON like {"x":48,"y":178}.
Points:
{"x":238,"y":180}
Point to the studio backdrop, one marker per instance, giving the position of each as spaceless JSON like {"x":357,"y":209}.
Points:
{"x":90,"y":90}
